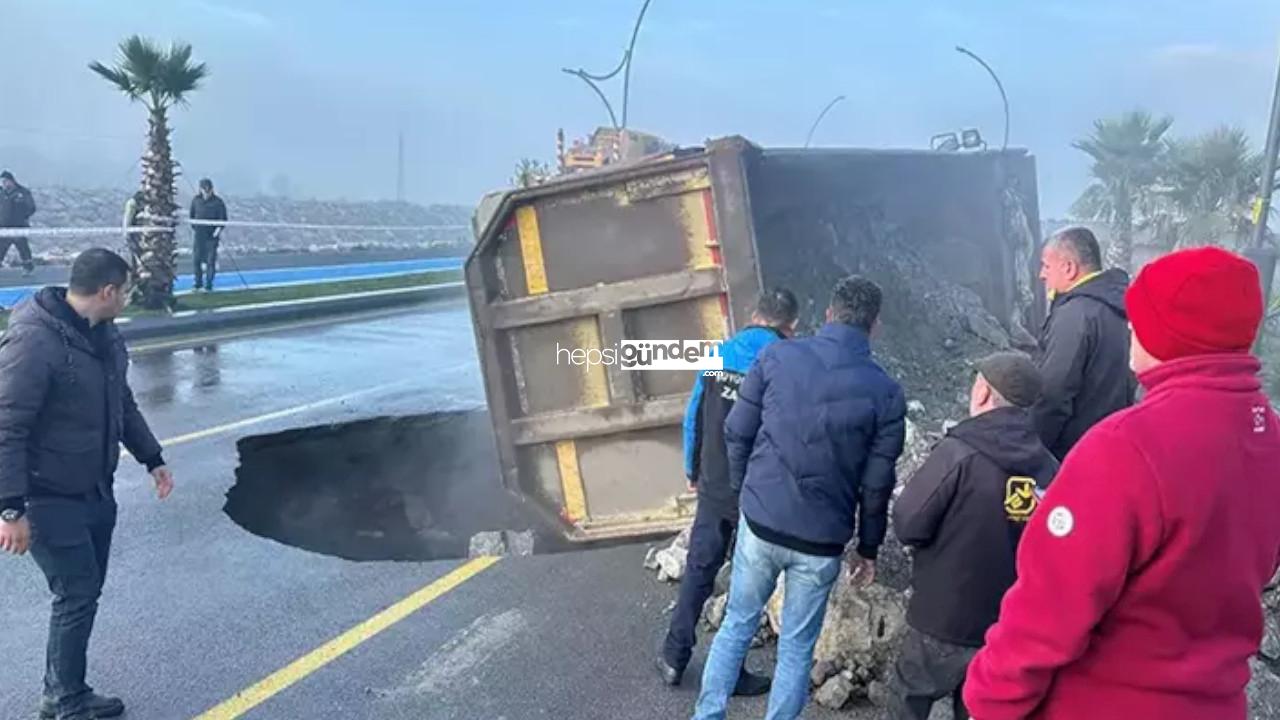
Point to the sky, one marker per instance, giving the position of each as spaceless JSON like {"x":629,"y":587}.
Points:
{"x":310,"y":95}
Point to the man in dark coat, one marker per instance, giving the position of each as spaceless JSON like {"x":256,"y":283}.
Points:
{"x":812,"y":441}
{"x":963,"y":513}
{"x":16,"y":208}
{"x":1085,"y":342}
{"x":706,"y":466}
{"x":65,"y":409}
{"x":206,"y":206}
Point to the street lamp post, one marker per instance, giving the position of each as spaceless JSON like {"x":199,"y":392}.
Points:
{"x":1267,"y":182}
{"x":999,"y":86}
{"x":809,"y":138}
{"x":1265,"y":257}
{"x":624,"y":67}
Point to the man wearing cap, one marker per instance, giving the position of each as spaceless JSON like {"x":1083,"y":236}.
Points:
{"x":963,"y":513}
{"x":16,"y":208}
{"x":1084,"y":345}
{"x":1139,"y":575}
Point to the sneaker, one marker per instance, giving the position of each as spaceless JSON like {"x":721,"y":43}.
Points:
{"x":27,"y":272}
{"x":99,"y":706}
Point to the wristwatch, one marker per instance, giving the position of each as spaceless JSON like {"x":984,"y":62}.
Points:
{"x":11,"y":515}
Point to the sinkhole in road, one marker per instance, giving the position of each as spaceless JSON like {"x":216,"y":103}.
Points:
{"x":391,"y":488}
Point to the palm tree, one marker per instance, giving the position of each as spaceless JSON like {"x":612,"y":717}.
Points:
{"x":530,"y":172}
{"x":159,"y":79}
{"x":1127,"y":154}
{"x":1211,"y":182}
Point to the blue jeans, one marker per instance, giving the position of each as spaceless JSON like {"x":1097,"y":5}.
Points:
{"x":756,"y":565}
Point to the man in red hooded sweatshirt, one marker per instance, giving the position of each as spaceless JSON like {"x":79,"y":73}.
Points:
{"x":1140,"y":575}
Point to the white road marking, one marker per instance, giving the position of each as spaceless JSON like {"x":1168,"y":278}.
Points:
{"x":219,"y":429}
{"x":457,"y":660}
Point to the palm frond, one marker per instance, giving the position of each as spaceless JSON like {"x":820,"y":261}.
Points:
{"x":116,"y":77}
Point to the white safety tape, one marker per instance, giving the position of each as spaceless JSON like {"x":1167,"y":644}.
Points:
{"x":74,"y":231}
{"x":121,"y":230}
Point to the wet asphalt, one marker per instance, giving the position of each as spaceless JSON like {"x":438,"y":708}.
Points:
{"x":196,"y":609}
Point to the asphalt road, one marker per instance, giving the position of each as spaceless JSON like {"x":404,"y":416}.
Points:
{"x":197,"y":609}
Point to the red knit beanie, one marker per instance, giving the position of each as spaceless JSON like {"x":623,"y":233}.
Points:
{"x":1196,"y":302}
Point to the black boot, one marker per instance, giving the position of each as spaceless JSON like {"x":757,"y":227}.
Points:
{"x":751,"y":685}
{"x":670,"y":675}
{"x":98,"y":706}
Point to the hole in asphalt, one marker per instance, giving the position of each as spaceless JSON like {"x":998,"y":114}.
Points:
{"x":395,"y":488}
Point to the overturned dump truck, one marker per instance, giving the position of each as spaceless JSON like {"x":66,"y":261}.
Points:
{"x":677,"y":246}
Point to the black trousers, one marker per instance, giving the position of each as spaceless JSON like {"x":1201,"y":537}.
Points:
{"x":24,"y":250}
{"x":928,"y":670}
{"x":205,"y":254}
{"x":709,"y":542}
{"x":71,"y":542}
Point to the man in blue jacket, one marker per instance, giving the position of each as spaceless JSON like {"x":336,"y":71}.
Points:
{"x":706,"y":466}
{"x":812,"y":443}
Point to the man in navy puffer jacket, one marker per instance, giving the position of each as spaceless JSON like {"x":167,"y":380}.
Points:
{"x":812,"y":442}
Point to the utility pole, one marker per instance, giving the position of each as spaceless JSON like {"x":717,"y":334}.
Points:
{"x":1262,"y":255}
{"x":400,"y":167}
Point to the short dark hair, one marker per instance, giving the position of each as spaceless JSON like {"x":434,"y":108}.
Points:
{"x":206,"y":183}
{"x":856,"y":301}
{"x":1081,"y":242}
{"x":778,"y":307}
{"x":95,"y":269}
{"x":6,"y":175}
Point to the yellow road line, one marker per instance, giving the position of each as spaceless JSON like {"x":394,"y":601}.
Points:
{"x":273,"y":684}
{"x":219,"y":429}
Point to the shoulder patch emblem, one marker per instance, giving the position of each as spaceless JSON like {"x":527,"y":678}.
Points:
{"x":1061,"y":522}
{"x":1020,"y":498}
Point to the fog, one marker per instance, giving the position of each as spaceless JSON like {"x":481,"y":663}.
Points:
{"x":307,"y":98}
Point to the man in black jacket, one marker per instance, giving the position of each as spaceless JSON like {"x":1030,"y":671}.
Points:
{"x":16,"y":208}
{"x":209,"y":207}
{"x":707,"y":470}
{"x":963,"y":513}
{"x":65,"y":409}
{"x":1085,"y":342}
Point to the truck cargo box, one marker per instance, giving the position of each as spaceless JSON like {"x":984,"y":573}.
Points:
{"x":677,"y":247}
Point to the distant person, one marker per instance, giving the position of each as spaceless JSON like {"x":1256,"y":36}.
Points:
{"x":65,"y":410}
{"x":706,"y":466}
{"x":206,"y":206}
{"x":16,"y":208}
{"x":812,"y":442}
{"x":1085,"y":343}
{"x":133,"y":217}
{"x":1139,"y":576}
{"x":963,"y":513}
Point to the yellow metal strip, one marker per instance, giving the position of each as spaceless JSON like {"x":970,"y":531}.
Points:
{"x":575,"y":498}
{"x":693,"y":218}
{"x":594,"y":381}
{"x":273,"y":684}
{"x":535,"y":270}
{"x":714,"y":323}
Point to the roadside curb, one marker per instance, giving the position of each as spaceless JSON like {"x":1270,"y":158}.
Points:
{"x":194,"y":322}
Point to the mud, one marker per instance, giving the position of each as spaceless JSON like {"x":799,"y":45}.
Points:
{"x":393,"y":488}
